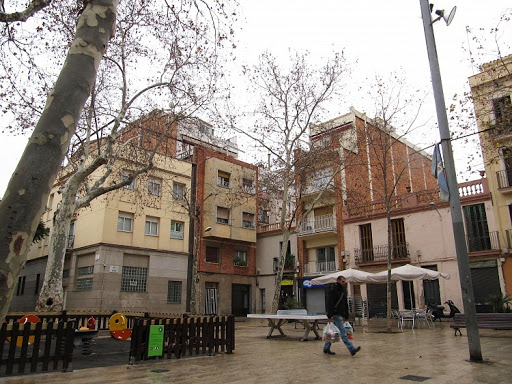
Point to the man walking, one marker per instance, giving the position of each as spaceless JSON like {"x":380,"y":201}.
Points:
{"x":337,"y":311}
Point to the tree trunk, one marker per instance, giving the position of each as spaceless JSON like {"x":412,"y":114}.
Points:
{"x":280,"y":270}
{"x":28,"y":190}
{"x":51,"y":297}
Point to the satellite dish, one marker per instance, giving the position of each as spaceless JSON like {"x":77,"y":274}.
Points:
{"x":441,"y":14}
{"x":450,"y":16}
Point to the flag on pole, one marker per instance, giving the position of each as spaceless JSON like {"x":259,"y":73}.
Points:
{"x":439,"y":173}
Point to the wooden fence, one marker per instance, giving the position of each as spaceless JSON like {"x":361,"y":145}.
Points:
{"x":48,"y":344}
{"x":36,"y":347}
{"x":187,"y":336}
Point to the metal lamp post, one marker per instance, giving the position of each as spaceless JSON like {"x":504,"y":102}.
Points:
{"x":466,"y":286}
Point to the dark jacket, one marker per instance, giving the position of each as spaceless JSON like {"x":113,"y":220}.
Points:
{"x":335,"y":293}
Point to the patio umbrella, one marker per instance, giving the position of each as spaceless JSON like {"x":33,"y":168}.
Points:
{"x":407,"y":272}
{"x":351,"y":275}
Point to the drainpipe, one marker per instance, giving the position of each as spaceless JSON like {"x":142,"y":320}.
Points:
{"x":191,"y":234}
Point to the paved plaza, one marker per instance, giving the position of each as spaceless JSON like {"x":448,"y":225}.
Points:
{"x":422,"y":355}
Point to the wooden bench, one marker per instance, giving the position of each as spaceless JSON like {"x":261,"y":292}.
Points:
{"x":484,"y":320}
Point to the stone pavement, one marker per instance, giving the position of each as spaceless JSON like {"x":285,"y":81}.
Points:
{"x":422,"y":355}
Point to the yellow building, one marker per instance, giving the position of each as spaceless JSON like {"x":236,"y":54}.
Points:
{"x":491,"y":91}
{"x":127,"y":251}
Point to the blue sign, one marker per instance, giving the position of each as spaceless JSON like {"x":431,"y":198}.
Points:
{"x":307,"y":284}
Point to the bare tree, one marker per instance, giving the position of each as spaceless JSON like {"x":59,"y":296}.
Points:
{"x":382,"y":143}
{"x":29,"y":187}
{"x":290,"y":98}
{"x":184,"y":74}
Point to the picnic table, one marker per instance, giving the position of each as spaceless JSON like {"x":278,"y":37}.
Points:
{"x":276,"y":320}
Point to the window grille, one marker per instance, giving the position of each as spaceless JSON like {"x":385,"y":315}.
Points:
{"x":134,"y":279}
{"x":174,"y":292}
{"x":82,"y":271}
{"x":84,"y":284}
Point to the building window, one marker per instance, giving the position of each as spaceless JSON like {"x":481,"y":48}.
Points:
{"x":151,"y":227}
{"x":134,"y":279}
{"x":326,"y":259}
{"x":21,"y":286}
{"x":177,"y":228}
{"x":222,"y":215}
{"x":502,"y":113}
{"x":248,"y":220}
{"x":82,"y":271}
{"x":125,"y":222}
{"x":248,"y":186}
{"x":154,"y":186}
{"x":223,"y":179}
{"x":84,"y":284}
{"x":125,"y":176}
{"x":174,"y":292}
{"x":212,"y":255}
{"x":365,"y":235}
{"x":275,"y":263}
{"x":38,"y":279}
{"x":178,"y":191}
{"x":398,"y":235}
{"x":477,"y":231}
{"x":240,"y":259}
{"x":263,"y":216}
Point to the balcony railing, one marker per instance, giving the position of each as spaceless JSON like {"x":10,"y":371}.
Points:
{"x":320,"y":268}
{"x":504,"y":178}
{"x":324,"y":223}
{"x":488,"y":242}
{"x":380,"y":253}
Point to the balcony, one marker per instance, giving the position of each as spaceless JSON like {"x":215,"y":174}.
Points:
{"x":379,"y":254}
{"x":320,"y":268}
{"x":324,"y":223}
{"x":488,"y":242}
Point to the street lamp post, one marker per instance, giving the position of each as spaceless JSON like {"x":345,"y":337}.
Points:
{"x":475,"y":353}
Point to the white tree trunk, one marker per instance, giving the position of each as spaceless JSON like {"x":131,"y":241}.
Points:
{"x":27,"y":193}
{"x":51,"y":297}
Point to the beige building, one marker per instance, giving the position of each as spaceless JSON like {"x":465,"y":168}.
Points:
{"x":128,"y":251}
{"x":227,"y":206}
{"x":491,"y":91}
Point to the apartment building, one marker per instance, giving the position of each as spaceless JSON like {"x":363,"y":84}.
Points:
{"x":131,"y":250}
{"x":369,"y":171}
{"x":491,"y":91}
{"x":227,"y":207}
{"x":127,"y":251}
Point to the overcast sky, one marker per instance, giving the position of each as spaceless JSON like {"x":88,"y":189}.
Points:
{"x":382,"y":36}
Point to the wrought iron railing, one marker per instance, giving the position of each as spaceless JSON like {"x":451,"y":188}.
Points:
{"x":486,"y":242}
{"x":380,"y":253}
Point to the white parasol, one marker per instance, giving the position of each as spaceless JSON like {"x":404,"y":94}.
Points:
{"x":351,"y":275}
{"x":407,"y":272}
